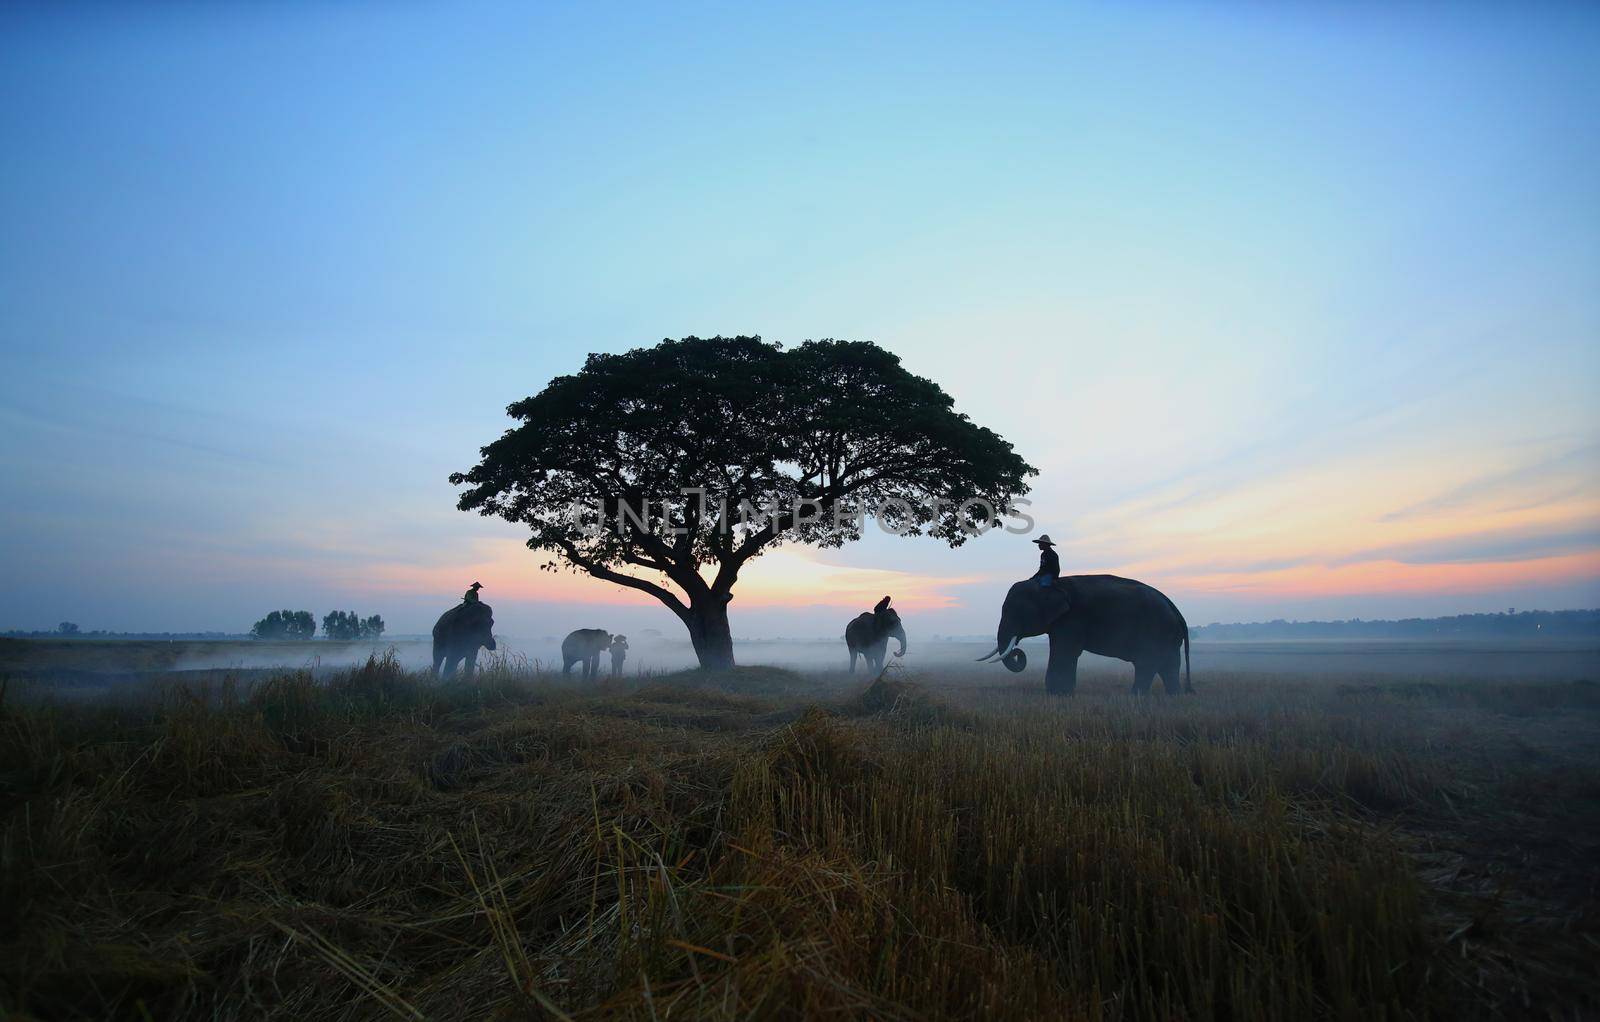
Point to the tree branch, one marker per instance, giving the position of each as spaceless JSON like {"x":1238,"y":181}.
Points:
{"x":666,"y":596}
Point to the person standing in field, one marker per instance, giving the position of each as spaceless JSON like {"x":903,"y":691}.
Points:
{"x":619,"y":653}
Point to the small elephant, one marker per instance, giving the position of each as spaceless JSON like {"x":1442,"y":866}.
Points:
{"x":1104,"y":614}
{"x":586,"y":645}
{"x":867,"y":636}
{"x":458,"y":634}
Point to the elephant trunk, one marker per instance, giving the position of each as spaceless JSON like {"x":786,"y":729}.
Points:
{"x":899,"y":634}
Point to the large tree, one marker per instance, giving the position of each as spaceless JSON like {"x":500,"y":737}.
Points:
{"x":666,"y":469}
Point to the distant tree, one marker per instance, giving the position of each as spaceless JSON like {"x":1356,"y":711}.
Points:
{"x":285,"y":624}
{"x":273,"y":626}
{"x":810,"y":434}
{"x":66,"y":628}
{"x":334,"y":626}
{"x":345,"y":626}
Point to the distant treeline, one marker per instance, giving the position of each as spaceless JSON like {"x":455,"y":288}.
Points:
{"x":1527,"y":624}
{"x":299,"y":624}
{"x":57,"y":633}
{"x":292,"y":625}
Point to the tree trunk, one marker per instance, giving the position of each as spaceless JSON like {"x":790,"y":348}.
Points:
{"x":708,"y":630}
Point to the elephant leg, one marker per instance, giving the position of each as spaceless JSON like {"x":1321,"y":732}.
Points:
{"x":853,"y":655}
{"x":591,"y":667}
{"x":450,"y":662}
{"x":438,"y":659}
{"x":471,"y":668}
{"x":1170,"y":669}
{"x":1061,"y":673}
{"x":1144,"y":672}
{"x":566,"y":665}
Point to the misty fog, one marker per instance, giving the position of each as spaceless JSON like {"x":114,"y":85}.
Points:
{"x":1555,"y":660}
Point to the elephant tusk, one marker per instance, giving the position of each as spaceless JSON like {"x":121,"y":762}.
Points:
{"x":998,"y":652}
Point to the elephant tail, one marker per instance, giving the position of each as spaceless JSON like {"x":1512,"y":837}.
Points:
{"x":1188,"y":675}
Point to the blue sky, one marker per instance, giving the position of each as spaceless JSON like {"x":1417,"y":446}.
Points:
{"x":1294,"y":306}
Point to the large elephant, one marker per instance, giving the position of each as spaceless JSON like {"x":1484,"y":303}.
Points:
{"x":586,"y":645}
{"x":458,"y":634}
{"x":867,"y":635}
{"x":1104,"y":614}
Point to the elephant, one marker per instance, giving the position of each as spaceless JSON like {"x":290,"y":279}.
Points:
{"x":585,"y":644}
{"x":458,"y":634}
{"x":867,"y":636}
{"x":1104,"y":614}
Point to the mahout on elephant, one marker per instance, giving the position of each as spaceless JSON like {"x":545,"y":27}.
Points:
{"x":457,"y":635}
{"x":867,"y":635}
{"x":1102,"y":614}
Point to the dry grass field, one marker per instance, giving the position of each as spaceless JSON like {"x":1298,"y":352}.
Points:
{"x":769,"y":844}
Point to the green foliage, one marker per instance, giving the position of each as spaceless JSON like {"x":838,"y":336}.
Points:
{"x":67,"y":628}
{"x":344,"y":625}
{"x":285,"y":624}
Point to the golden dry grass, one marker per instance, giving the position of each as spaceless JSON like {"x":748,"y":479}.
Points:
{"x":762,"y":844}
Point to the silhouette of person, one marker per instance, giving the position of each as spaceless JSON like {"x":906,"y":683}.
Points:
{"x":1049,"y":563}
{"x":472,"y":593}
{"x":619,"y":653}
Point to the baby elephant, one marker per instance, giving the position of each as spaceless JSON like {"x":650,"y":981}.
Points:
{"x":868,"y":635}
{"x":586,"y":645}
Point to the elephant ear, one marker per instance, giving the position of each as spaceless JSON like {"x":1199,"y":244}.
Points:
{"x":882,"y":606}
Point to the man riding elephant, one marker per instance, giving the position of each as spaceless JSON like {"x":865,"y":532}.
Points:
{"x":868,"y":635}
{"x":1101,"y":614}
{"x":459,"y":633}
{"x":1049,"y":564}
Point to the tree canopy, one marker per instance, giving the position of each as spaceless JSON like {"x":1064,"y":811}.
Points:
{"x":643,"y":467}
{"x":285,"y":624}
{"x":344,"y":625}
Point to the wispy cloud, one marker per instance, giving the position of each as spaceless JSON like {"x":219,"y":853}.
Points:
{"x":1517,"y":489}
{"x":1521,"y":544}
